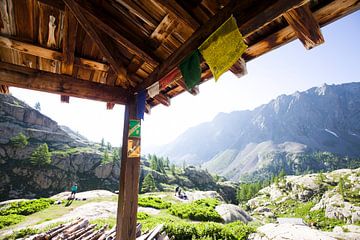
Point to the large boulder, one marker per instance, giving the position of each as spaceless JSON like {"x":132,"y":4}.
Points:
{"x":231,"y":213}
{"x":201,"y":178}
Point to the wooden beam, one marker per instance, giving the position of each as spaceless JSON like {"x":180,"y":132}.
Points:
{"x":305,"y":26}
{"x":23,"y":77}
{"x":163,"y":99}
{"x":129,"y":181}
{"x":48,"y":53}
{"x":247,"y":13}
{"x":323,"y":16}
{"x":69,"y":42}
{"x":4,"y":89}
{"x":181,"y":14}
{"x":104,"y":21}
{"x":107,"y":48}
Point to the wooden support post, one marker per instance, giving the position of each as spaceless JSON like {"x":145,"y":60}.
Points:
{"x":129,"y":175}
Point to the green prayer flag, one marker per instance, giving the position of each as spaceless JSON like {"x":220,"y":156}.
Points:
{"x":190,"y":69}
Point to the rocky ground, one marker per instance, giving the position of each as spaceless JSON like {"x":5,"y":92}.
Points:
{"x":328,"y":201}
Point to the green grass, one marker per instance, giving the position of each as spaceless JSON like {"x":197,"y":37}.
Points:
{"x":26,"y":207}
{"x":199,"y":210}
{"x":209,"y":230}
{"x":292,"y":208}
{"x":100,"y":222}
{"x":10,"y":220}
{"x":153,"y":202}
{"x":22,"y":233}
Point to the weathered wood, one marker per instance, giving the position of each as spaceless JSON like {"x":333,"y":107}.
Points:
{"x":23,"y":77}
{"x":181,"y":14}
{"x":69,"y":42}
{"x":246,"y":14}
{"x":48,"y":53}
{"x":109,"y":26}
{"x":129,"y":183}
{"x":163,"y":99}
{"x":239,"y":68}
{"x":324,"y":16}
{"x":305,"y":26}
{"x":4,"y":89}
{"x":111,"y":53}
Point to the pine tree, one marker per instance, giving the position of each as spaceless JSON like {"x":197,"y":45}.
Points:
{"x":37,"y":106}
{"x":116,"y":155}
{"x":102,"y":143}
{"x":173,"y":170}
{"x":41,"y":155}
{"x":106,"y":157}
{"x":148,"y":185}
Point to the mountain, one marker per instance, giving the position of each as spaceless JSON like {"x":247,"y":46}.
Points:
{"x":324,"y":119}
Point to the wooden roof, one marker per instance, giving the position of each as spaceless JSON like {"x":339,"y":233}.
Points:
{"x":109,"y":50}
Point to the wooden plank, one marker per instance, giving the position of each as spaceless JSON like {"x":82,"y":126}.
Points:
{"x":245,"y":12}
{"x":181,"y":14}
{"x":104,"y":21}
{"x":4,"y":89}
{"x":129,"y":182}
{"x":49,"y":53}
{"x":324,"y":16}
{"x":24,"y":77}
{"x":104,"y":44}
{"x":305,"y":26}
{"x":163,"y":99}
{"x":69,"y":42}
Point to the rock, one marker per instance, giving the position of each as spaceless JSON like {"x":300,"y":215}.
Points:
{"x":230,"y":213}
{"x":103,"y":170}
{"x":346,"y":232}
{"x":199,"y":177}
{"x":286,"y":231}
{"x":228,"y":191}
{"x":87,"y":194}
{"x":196,"y":195}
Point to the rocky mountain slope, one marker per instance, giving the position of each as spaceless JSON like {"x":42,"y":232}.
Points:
{"x":324,"y":119}
{"x":326,"y":201}
{"x":73,"y":159}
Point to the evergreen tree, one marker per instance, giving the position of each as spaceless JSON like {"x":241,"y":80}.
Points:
{"x":148,"y":185}
{"x":37,"y":106}
{"x":173,"y":169}
{"x":106,"y":157}
{"x":41,"y":155}
{"x":108,"y":146}
{"x":116,"y":155}
{"x":102,"y":143}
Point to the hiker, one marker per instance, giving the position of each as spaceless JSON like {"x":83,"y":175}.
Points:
{"x":176,"y":190}
{"x":74,"y":189}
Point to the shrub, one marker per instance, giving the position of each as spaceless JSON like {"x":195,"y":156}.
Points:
{"x":19,"y":140}
{"x":142,"y":216}
{"x":184,"y":230}
{"x":199,"y":210}
{"x":10,"y":220}
{"x":41,"y":155}
{"x":26,"y":207}
{"x":153,"y":202}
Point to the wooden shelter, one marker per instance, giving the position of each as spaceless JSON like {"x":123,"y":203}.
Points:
{"x":110,"y":50}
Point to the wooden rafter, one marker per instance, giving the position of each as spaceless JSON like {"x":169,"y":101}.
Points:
{"x":338,"y":8}
{"x":258,"y":18}
{"x":105,"y":45}
{"x":109,"y":26}
{"x":48,"y":53}
{"x":305,"y":26}
{"x":28,"y":78}
{"x":163,"y":99}
{"x":181,"y":14}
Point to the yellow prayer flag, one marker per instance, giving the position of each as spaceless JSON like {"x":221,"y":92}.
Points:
{"x":223,"y":48}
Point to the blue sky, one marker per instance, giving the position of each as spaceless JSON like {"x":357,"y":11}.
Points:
{"x":283,"y":71}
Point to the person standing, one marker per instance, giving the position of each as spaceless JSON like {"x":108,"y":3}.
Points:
{"x":74,"y":189}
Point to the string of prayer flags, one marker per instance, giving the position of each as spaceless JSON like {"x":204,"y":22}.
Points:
{"x":169,"y":78}
{"x":154,"y":90}
{"x":191,"y":70}
{"x":140,"y":104}
{"x":223,"y":48}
